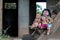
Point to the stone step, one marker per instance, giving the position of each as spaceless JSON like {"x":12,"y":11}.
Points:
{"x":55,"y":27}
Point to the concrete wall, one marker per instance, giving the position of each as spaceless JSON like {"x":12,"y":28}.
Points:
{"x":0,"y":16}
{"x":51,"y":3}
{"x":23,"y":17}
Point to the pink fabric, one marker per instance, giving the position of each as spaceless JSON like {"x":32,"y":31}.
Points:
{"x":44,"y":25}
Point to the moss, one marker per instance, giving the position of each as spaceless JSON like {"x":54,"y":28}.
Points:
{"x":4,"y":37}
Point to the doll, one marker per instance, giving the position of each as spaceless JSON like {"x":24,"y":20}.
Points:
{"x":44,"y":22}
{"x":36,"y":21}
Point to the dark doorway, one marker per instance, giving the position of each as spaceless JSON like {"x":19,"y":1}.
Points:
{"x":10,"y":17}
{"x":32,"y":10}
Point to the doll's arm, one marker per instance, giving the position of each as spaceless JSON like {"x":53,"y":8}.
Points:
{"x":51,"y":20}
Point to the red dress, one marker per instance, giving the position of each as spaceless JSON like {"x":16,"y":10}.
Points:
{"x":44,"y":25}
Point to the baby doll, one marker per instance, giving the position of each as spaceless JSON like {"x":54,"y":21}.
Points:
{"x":46,"y":13}
{"x":36,"y":21}
{"x":43,"y":23}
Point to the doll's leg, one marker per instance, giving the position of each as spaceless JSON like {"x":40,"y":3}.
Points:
{"x":42,"y":26}
{"x":34,"y":25}
{"x":48,"y":31}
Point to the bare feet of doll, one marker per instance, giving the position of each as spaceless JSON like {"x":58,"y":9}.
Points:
{"x":48,"y":33}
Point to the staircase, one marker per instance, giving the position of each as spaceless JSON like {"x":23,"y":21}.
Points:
{"x":54,"y":29}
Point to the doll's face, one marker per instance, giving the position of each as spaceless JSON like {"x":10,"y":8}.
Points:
{"x":36,"y":20}
{"x":45,"y":13}
{"x":38,"y":15}
{"x":43,"y":18}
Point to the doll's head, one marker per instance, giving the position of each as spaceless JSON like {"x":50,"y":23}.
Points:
{"x":46,"y":12}
{"x":38,"y":15}
{"x":43,"y":18}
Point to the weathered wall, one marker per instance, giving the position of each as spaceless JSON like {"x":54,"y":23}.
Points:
{"x":1,"y":16}
{"x":23,"y":17}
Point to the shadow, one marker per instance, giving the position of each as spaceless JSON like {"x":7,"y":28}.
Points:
{"x":35,"y":34}
{"x":28,"y":37}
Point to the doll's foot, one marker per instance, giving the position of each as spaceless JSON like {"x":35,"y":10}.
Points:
{"x":48,"y":33}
